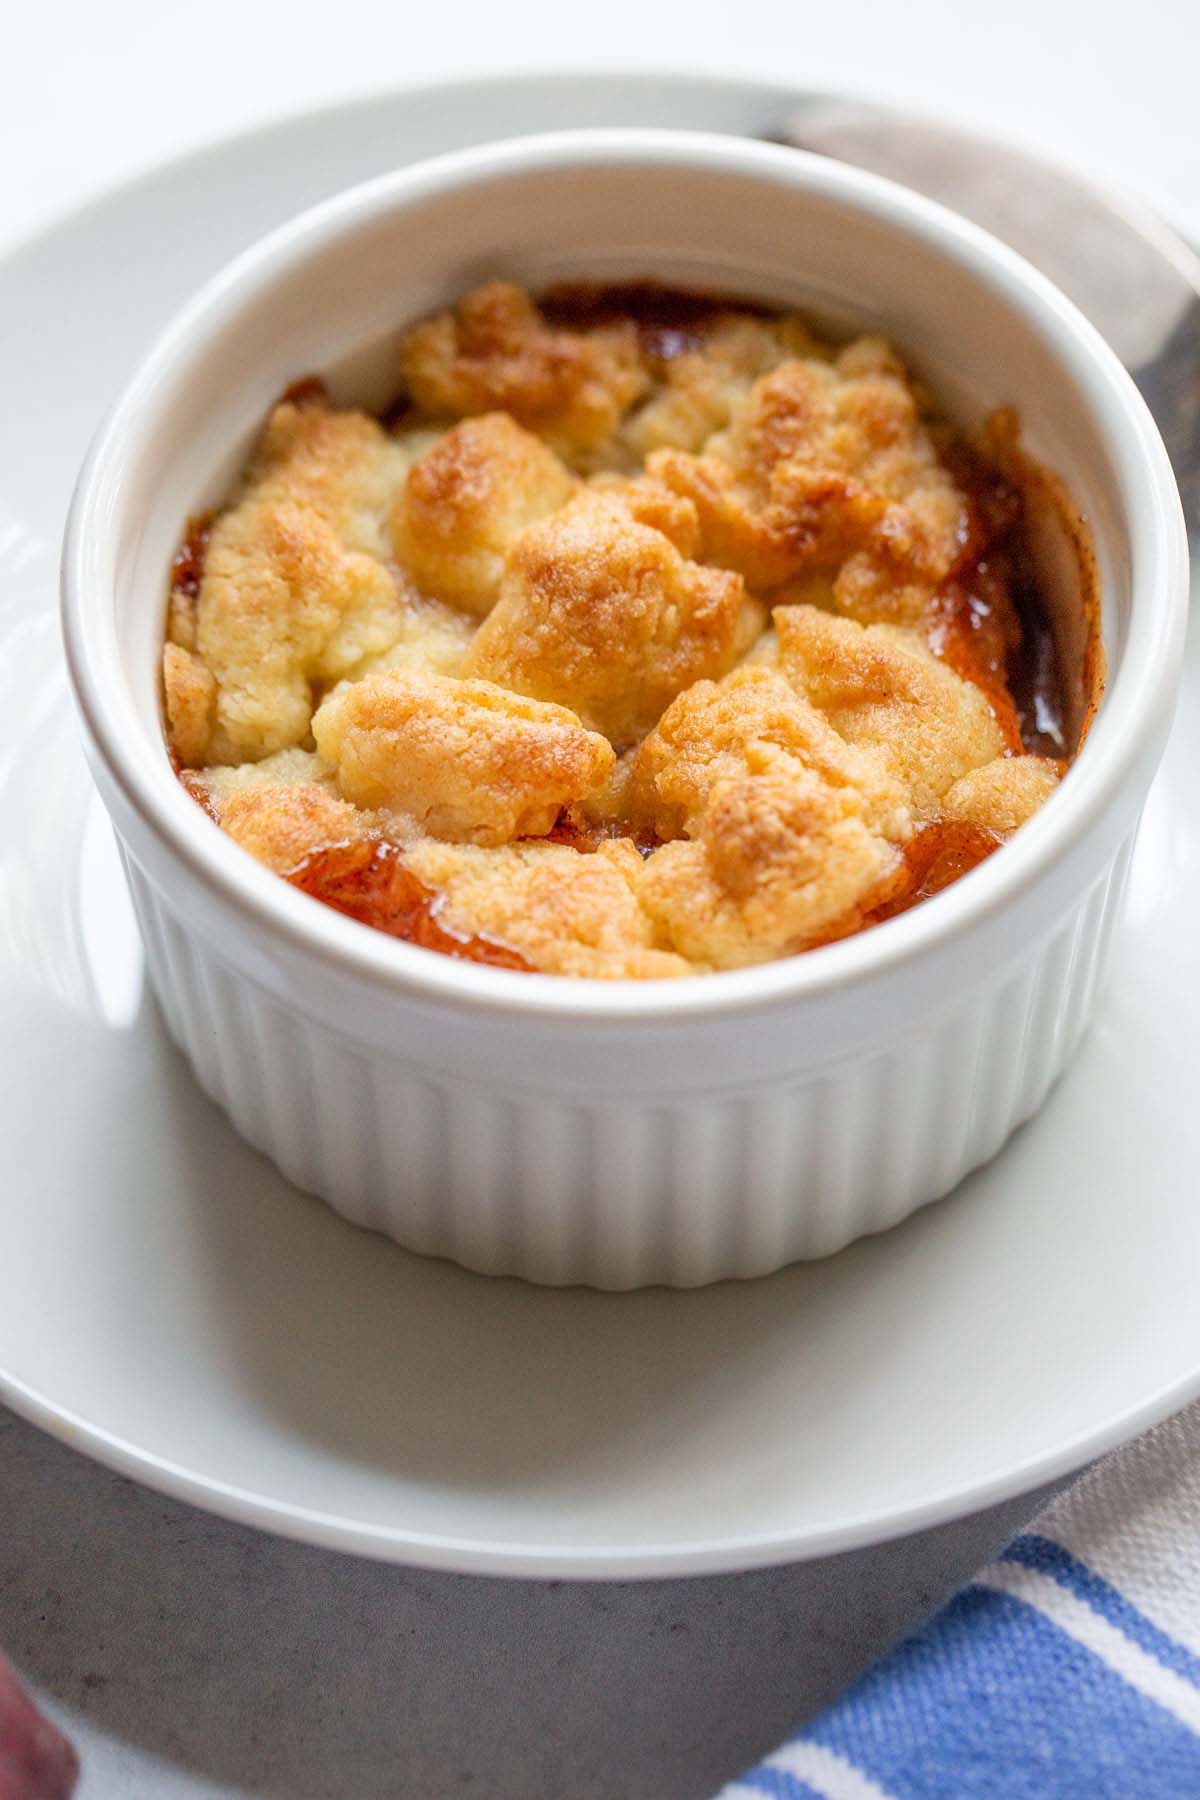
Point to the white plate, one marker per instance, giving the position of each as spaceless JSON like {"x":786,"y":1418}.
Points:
{"x":169,"y":1305}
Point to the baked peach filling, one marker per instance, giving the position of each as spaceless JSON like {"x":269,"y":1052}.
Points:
{"x":649,"y":635}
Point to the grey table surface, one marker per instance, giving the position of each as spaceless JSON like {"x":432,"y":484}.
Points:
{"x":189,"y":1657}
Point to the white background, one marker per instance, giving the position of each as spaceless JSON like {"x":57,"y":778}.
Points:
{"x":94,"y":90}
{"x":191,"y":1658}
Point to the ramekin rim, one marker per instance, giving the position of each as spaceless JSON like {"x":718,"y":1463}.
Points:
{"x":1130,"y":723}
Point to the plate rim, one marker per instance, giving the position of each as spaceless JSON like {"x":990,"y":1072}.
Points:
{"x":495,"y":1557}
{"x":475,"y":1555}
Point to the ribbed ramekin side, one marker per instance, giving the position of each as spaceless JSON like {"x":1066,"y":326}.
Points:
{"x":618,"y":1191}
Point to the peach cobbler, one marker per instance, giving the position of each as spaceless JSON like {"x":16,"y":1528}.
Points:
{"x":648,"y":634}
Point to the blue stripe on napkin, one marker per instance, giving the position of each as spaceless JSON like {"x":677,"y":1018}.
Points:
{"x":1034,"y":1552}
{"x":1062,"y":1691}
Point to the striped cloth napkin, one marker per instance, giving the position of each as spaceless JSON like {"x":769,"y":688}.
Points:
{"x":1069,"y":1669}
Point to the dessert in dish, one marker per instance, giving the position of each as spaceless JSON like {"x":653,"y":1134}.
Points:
{"x":626,"y":1131}
{"x":648,"y":634}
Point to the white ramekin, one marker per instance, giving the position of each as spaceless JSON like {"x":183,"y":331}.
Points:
{"x":621,"y":1134}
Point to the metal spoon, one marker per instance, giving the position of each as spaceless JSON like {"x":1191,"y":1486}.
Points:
{"x":1124,"y":268}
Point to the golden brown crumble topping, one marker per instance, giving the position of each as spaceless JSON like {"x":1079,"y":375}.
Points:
{"x":651,"y":635}
{"x":464,"y":760}
{"x":601,"y":613}
{"x":497,"y":353}
{"x":467,"y":501}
